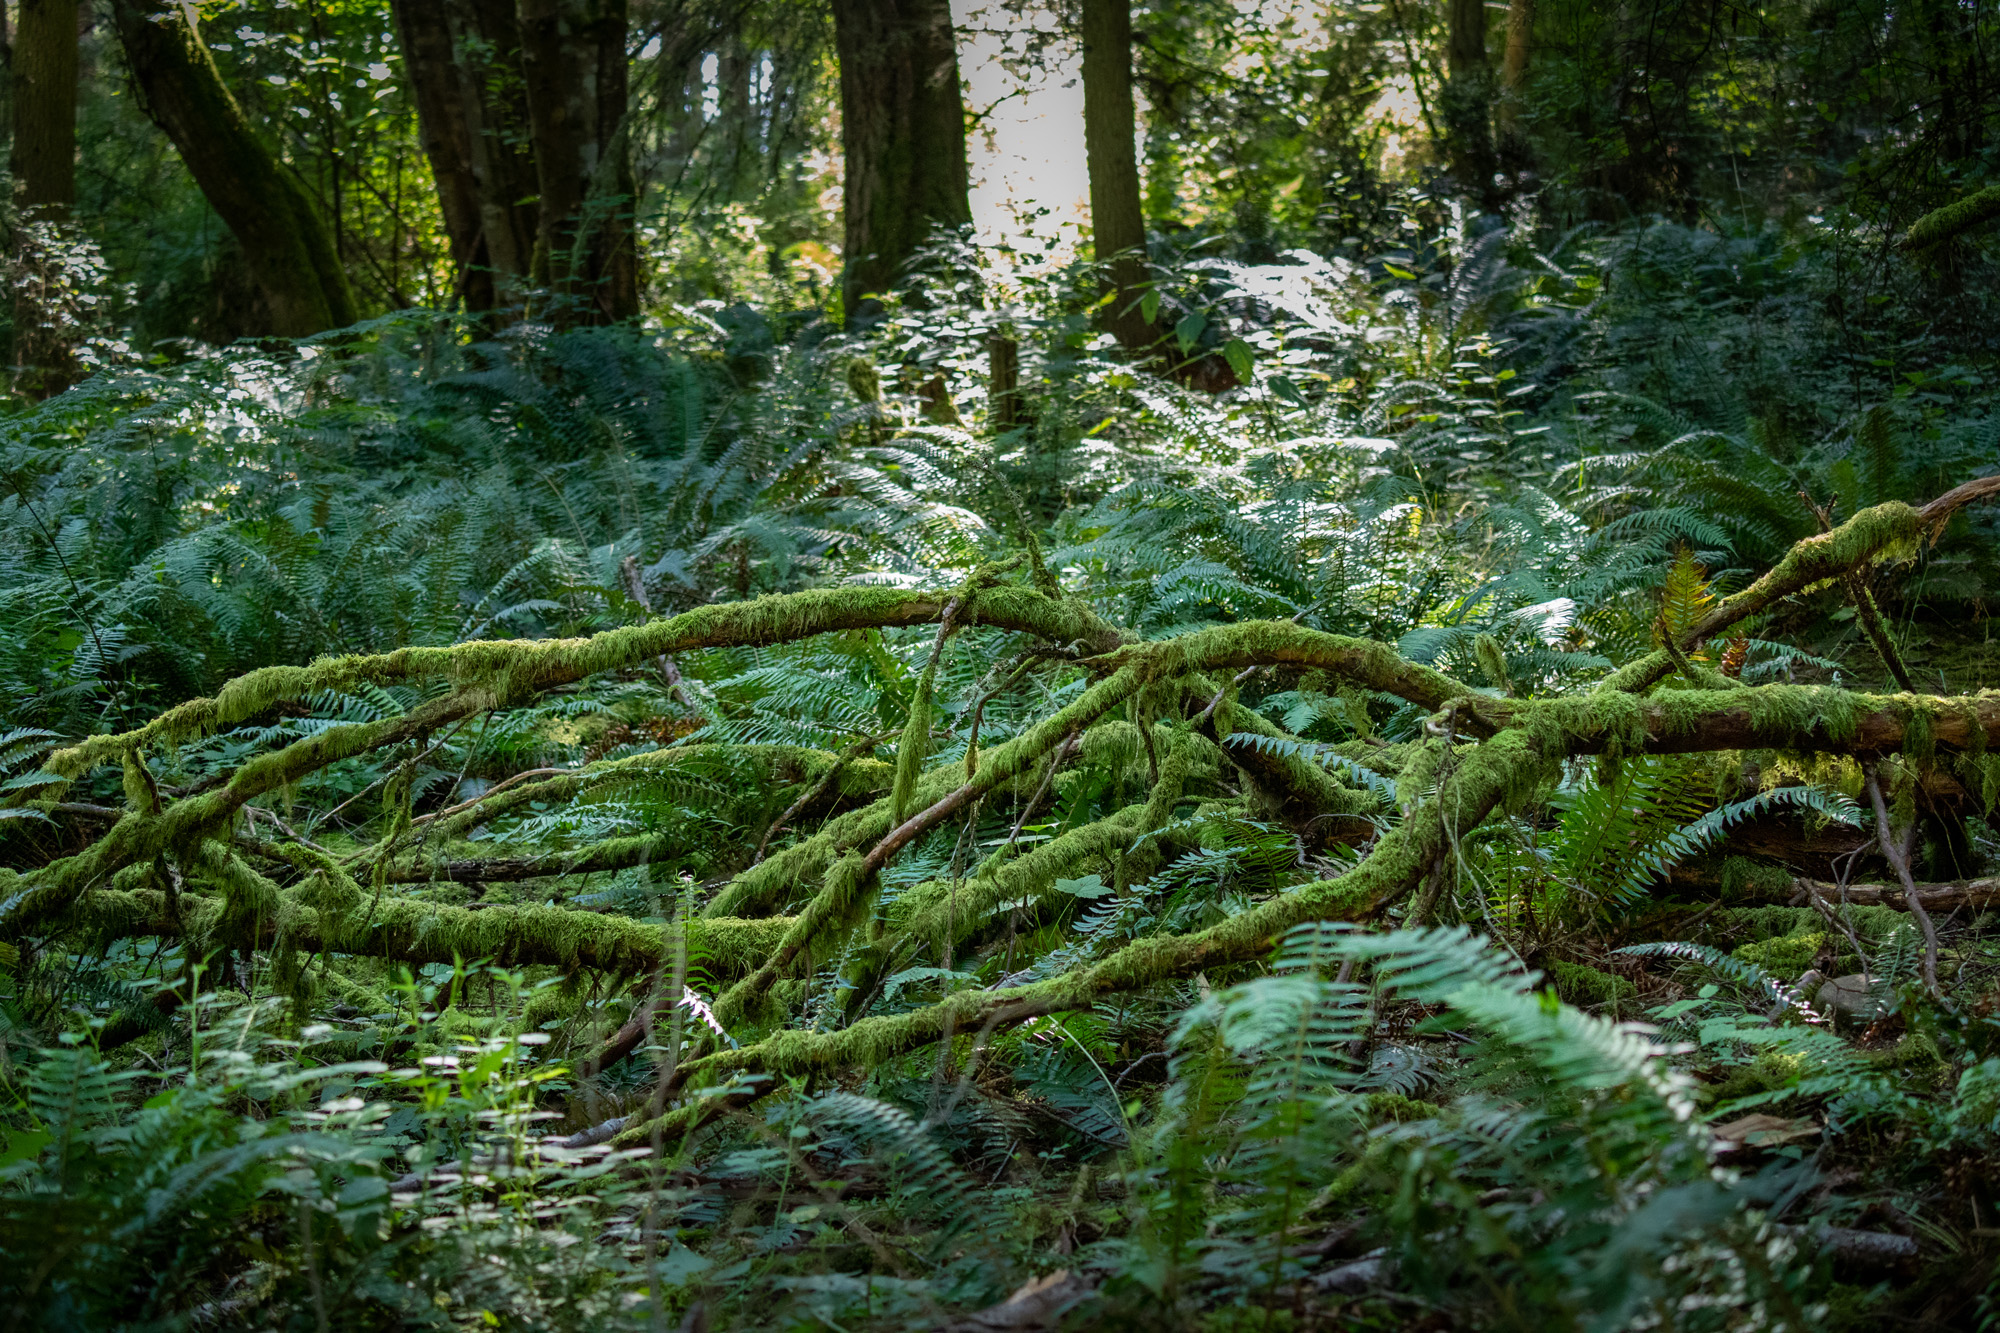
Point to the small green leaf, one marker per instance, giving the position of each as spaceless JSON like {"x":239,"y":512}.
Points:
{"x":1149,"y":306}
{"x":1090,"y":886}
{"x":1188,"y":331}
{"x":681,"y":1264}
{"x":24,"y":1144}
{"x":1240,"y":358}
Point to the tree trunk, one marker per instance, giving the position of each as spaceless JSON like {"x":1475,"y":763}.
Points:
{"x":902,"y":130}
{"x":43,"y":162}
{"x":1468,"y":96}
{"x":463,"y":60}
{"x":741,"y":148}
{"x":1117,"y":220}
{"x":1003,"y":383}
{"x":287,"y":246}
{"x":424,"y":31}
{"x":1514,"y":65}
{"x":573,"y":65}
{"x":44,"y":93}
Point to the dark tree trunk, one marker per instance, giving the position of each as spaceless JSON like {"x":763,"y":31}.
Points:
{"x":741,"y":147}
{"x":1514,"y":65}
{"x":43,"y":162}
{"x":44,"y":93}
{"x":1117,"y":219}
{"x":463,"y":60}
{"x":1003,"y":383}
{"x":902,"y":129}
{"x":424,"y":30}
{"x":1468,"y":101}
{"x":573,"y":64}
{"x":287,"y":246}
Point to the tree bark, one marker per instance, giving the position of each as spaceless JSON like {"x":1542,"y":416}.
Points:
{"x":573,"y":65}
{"x":1468,"y":96}
{"x":43,"y":162}
{"x":287,"y":245}
{"x":1003,"y":383}
{"x":424,"y":31}
{"x":463,"y":61}
{"x":1514,"y":65}
{"x":44,"y":75}
{"x":903,"y":135}
{"x":1117,"y":219}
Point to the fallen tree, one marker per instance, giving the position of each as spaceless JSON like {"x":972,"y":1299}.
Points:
{"x":1373,"y":823}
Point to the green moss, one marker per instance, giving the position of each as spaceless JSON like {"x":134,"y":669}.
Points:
{"x":762,"y":763}
{"x":1784,"y":957}
{"x":1918,"y":1063}
{"x":1383,"y":1108}
{"x":758,"y":887}
{"x":1962,"y":215}
{"x":1111,"y":747}
{"x":1743,"y":878}
{"x":181,"y":827}
{"x":1765,"y":923}
{"x":1887,"y":531}
{"x":1852,"y":1308}
{"x":1582,"y":985}
{"x":551,"y":1006}
{"x":1771,"y":1071}
{"x":935,"y":915}
{"x":416,"y":932}
{"x":912,"y":749}
{"x":510,"y":670}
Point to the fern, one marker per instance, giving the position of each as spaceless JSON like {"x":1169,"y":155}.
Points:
{"x":1287,"y":747}
{"x":1700,"y":835}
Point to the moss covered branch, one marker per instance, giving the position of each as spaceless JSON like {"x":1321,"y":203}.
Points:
{"x":1962,"y":215}
{"x":1484,"y":776}
{"x":514,"y":669}
{"x":404,"y":930}
{"x":180,"y":828}
{"x":1770,"y":717}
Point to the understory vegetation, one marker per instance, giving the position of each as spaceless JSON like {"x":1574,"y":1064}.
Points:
{"x":1456,"y":789}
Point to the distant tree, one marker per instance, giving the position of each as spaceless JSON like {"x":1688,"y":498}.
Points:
{"x":460,"y":57}
{"x":573,"y":66}
{"x":43,"y":162}
{"x":903,"y":136}
{"x":43,"y":159}
{"x":288,"y":247}
{"x":1468,"y":101}
{"x":1514,"y":65}
{"x":1117,"y":215}
{"x":523,"y":113}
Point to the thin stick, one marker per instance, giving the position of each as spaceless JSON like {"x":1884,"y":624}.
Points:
{"x":818,"y":789}
{"x":1201,"y":718}
{"x":1028,"y":811}
{"x":1898,"y":857}
{"x":635,"y":585}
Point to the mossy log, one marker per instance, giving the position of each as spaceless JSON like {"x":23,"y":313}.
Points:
{"x":515,"y":669}
{"x":1959,"y":216}
{"x":408,"y":931}
{"x":1149,"y":712}
{"x":1975,"y":893}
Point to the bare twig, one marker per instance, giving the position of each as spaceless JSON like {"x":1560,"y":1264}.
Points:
{"x":635,"y":588}
{"x":1048,"y":778}
{"x":1898,"y":855}
{"x":818,"y":789}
